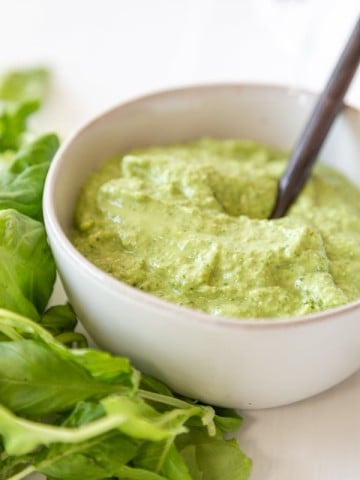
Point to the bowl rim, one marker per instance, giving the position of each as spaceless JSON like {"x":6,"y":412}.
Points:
{"x":172,"y":309}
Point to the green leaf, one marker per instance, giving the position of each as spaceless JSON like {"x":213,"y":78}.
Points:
{"x":23,"y":164}
{"x":61,"y":321}
{"x":23,"y":85}
{"x":227,"y":419}
{"x":152,"y":384}
{"x":95,"y":459}
{"x":36,"y":380}
{"x":116,"y":373}
{"x":27,"y":268}
{"x":22,"y":182}
{"x":162,"y":458}
{"x":107,"y":368}
{"x":13,"y":118}
{"x":21,"y":94}
{"x":213,"y":458}
{"x":132,"y":473}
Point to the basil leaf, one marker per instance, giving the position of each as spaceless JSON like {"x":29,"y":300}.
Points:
{"x":61,"y":321}
{"x":95,"y":459}
{"x":133,"y":473}
{"x":213,"y":458}
{"x":27,"y":269}
{"x":13,"y":119}
{"x":24,"y":85}
{"x":22,"y":180}
{"x":21,"y":93}
{"x":36,"y":380}
{"x":152,"y":384}
{"x":163,"y":458}
{"x":227,"y":419}
{"x":108,"y":368}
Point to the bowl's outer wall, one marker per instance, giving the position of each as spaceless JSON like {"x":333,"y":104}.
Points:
{"x":229,"y":363}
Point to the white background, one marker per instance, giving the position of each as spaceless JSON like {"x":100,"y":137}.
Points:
{"x":103,"y":52}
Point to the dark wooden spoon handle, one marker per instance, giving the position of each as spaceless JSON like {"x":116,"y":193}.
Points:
{"x":316,"y":129}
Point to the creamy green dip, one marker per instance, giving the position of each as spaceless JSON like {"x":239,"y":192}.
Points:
{"x":188,"y":223}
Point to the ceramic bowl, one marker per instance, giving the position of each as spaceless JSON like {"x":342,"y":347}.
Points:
{"x":241,"y":363}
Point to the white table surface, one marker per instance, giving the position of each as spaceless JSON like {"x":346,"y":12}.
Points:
{"x":103,"y":52}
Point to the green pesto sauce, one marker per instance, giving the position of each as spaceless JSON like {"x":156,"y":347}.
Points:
{"x":188,"y":223}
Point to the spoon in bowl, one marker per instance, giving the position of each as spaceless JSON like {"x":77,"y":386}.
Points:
{"x":326,"y":109}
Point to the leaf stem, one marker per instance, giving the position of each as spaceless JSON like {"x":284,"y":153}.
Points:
{"x":165,"y":399}
{"x":164,"y":453}
{"x":24,"y":473}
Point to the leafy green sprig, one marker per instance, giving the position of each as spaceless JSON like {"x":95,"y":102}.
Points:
{"x":66,"y":424}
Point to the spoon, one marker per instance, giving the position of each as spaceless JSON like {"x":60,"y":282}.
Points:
{"x":326,"y":109}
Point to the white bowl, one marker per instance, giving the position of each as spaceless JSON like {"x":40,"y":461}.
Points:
{"x":231,"y":362}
